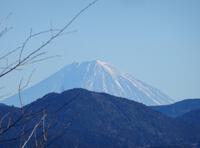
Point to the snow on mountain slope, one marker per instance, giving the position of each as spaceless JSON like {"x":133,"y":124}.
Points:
{"x":96,"y":76}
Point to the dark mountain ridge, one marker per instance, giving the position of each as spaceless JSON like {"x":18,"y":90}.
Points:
{"x":81,"y":118}
{"x":178,"y":108}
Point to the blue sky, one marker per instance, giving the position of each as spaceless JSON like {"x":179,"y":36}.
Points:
{"x":158,"y":41}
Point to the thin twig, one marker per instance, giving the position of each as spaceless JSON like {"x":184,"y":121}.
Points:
{"x":34,"y":129}
{"x":22,"y":61}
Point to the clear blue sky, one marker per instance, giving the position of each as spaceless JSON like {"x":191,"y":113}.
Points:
{"x":158,"y":41}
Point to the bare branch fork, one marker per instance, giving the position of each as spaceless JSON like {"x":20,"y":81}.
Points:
{"x":23,"y":61}
{"x":21,"y":88}
{"x":5,"y":29}
{"x":34,"y":129}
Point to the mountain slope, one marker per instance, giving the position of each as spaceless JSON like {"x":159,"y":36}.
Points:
{"x":192,"y":119}
{"x":178,"y":108}
{"x":95,"y":76}
{"x":81,"y":118}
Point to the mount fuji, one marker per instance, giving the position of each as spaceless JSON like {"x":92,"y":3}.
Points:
{"x":96,"y":76}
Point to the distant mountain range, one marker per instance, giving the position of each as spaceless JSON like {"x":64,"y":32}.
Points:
{"x":81,"y":118}
{"x":178,"y":108}
{"x":96,"y":76}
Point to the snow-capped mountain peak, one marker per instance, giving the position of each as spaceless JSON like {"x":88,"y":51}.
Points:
{"x":96,"y":76}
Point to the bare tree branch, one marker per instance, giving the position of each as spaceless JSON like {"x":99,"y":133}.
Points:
{"x":6,"y":28}
{"x":22,"y":61}
{"x":34,"y":129}
{"x":2,"y":119}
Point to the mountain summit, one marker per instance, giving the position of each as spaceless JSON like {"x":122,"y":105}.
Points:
{"x":96,"y":76}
